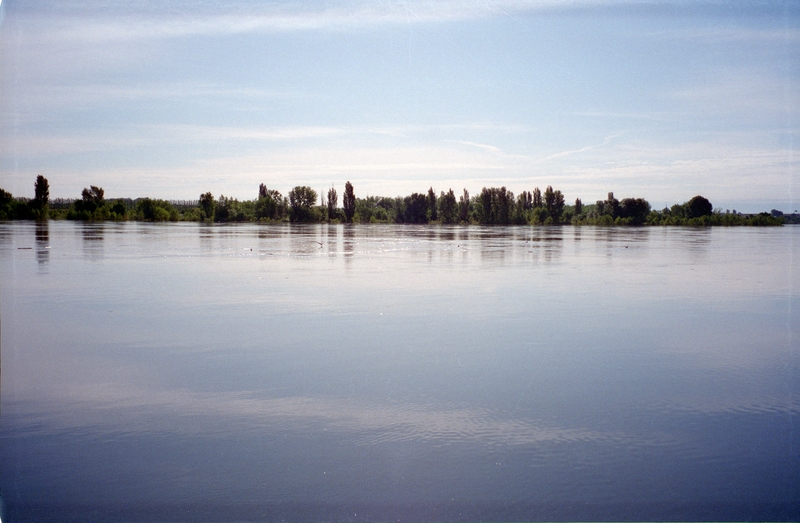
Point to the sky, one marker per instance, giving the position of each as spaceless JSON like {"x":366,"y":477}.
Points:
{"x":170,"y":99}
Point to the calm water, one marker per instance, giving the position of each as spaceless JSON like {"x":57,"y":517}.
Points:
{"x":328,"y":373}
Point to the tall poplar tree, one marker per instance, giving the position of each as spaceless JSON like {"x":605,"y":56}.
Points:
{"x":349,"y":202}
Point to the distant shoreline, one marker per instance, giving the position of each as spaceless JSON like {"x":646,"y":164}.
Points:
{"x":492,"y":206}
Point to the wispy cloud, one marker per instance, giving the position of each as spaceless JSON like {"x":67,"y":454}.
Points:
{"x":562,"y":154}
{"x":101,"y":139}
{"x":144,"y":21}
{"x":728,"y":34}
{"x":97,"y":22}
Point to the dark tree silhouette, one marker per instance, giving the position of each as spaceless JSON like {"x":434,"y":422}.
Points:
{"x":447,"y":207}
{"x":349,"y":202}
{"x":416,"y":208}
{"x":525,"y":201}
{"x":698,"y":206}
{"x":497,"y":206}
{"x":549,"y":200}
{"x":91,"y":200}
{"x":537,"y":198}
{"x":42,"y":192}
{"x":432,"y":204}
{"x":301,"y":199}
{"x":333,"y":203}
{"x":463,"y":207}
{"x":94,"y":194}
{"x":636,"y":209}
{"x":207,"y":203}
{"x":578,"y":206}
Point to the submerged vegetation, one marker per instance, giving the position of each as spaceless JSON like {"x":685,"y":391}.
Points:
{"x":492,"y":206}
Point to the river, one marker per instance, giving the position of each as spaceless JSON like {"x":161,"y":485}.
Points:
{"x":189,"y":372}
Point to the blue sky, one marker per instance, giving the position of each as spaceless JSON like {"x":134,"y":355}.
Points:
{"x":661,"y":100}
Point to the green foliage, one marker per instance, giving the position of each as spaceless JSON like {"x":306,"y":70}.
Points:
{"x":375,"y":209}
{"x":349,"y":202}
{"x":698,"y":206}
{"x":207,"y":206}
{"x":415,"y":209}
{"x":609,"y":207}
{"x":6,"y":203}
{"x":537,"y":198}
{"x":333,"y":202}
{"x":232,"y":210}
{"x":270,"y":206}
{"x":40,"y":203}
{"x":92,"y":199}
{"x":464,"y":207}
{"x":635,"y":210}
{"x":14,"y":209}
{"x":525,"y":201}
{"x":554,"y":203}
{"x":492,"y":206}
{"x":119,"y":208}
{"x":195,"y":214}
{"x":668,"y":217}
{"x":448,"y":207}
{"x":434,"y":216}
{"x":301,"y":200}
{"x":93,"y":206}
{"x":496,"y":206}
{"x":151,"y":210}
{"x":539,"y":215}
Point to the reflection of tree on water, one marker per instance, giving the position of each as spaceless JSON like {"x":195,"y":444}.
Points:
{"x":42,"y":242}
{"x":547,"y":243}
{"x":206,"y":236}
{"x":446,"y":234}
{"x":617,"y":239}
{"x":349,"y":240}
{"x":494,"y":243}
{"x":93,"y":239}
{"x":304,"y":239}
{"x":332,"y":237}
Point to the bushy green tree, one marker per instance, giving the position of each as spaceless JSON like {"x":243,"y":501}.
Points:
{"x":207,"y":205}
{"x":609,"y":207}
{"x":415,"y":208}
{"x":635,"y":210}
{"x":554,"y":203}
{"x":271,"y":205}
{"x":448,"y":207}
{"x":153,"y":210}
{"x":119,"y":209}
{"x":301,"y":201}
{"x":496,"y":206}
{"x":698,"y":206}
{"x":91,"y":199}
{"x":13,"y":209}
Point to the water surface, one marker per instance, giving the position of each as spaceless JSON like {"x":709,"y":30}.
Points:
{"x":186,"y":372}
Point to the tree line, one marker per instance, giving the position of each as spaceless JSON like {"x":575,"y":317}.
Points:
{"x":492,"y":206}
